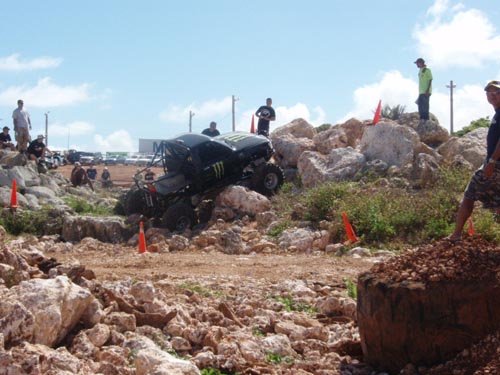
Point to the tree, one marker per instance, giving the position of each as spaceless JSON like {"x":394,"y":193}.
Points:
{"x":475,"y":124}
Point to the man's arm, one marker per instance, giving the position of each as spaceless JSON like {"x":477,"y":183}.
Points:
{"x":491,"y":164}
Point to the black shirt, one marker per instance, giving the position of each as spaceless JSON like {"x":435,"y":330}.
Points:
{"x":266,"y":112}
{"x":493,"y":134}
{"x":210,"y":133}
{"x":5,"y":138}
{"x":36,"y":148}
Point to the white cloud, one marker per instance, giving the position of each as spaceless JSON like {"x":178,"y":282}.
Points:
{"x":13,"y":63}
{"x":46,"y":94}
{"x":204,"y":111}
{"x":119,"y":140}
{"x":457,"y":37}
{"x":469,"y":102}
{"x":72,"y":129}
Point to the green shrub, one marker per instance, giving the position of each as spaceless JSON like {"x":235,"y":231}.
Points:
{"x":81,"y":206}
{"x":31,"y":222}
{"x":352,"y":288}
{"x":476,"y":124}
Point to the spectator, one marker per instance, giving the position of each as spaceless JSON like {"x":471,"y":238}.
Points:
{"x":92,"y":172}
{"x":6,"y":140}
{"x":424,"y":89}
{"x":22,"y":122}
{"x":37,"y":148}
{"x":149,"y":176}
{"x":212,"y":130}
{"x":106,"y":178}
{"x":484,"y":185}
{"x":265,"y":114}
{"x":79,"y":176}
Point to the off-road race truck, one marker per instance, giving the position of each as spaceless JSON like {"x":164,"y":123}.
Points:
{"x":197,"y":168}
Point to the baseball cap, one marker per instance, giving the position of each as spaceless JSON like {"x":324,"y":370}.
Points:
{"x":495,"y":84}
{"x":77,"y":164}
{"x":40,"y":136}
{"x":6,"y":128}
{"x":419,"y":60}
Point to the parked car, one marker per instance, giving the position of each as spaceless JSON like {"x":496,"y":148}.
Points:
{"x":87,"y":158}
{"x":131,"y":160}
{"x":74,"y":156}
{"x":110,"y":160}
{"x":120,"y":159}
{"x":197,"y":168}
{"x":144,"y":161}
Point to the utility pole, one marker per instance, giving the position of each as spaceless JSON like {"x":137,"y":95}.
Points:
{"x":451,"y":86}
{"x":47,"y":128}
{"x":233,"y":100}
{"x":191,"y":114}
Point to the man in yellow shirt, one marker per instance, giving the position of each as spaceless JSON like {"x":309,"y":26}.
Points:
{"x":424,"y":89}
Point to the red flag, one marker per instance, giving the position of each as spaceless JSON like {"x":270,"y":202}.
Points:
{"x":376,"y":118}
{"x":252,"y":127}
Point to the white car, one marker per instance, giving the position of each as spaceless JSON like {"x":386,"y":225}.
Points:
{"x":144,"y":161}
{"x":132,"y":160}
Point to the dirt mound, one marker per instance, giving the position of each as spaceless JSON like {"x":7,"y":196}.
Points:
{"x":472,"y":258}
{"x":430,"y":303}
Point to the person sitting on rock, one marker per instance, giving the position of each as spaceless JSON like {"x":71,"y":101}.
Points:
{"x":106,"y":178}
{"x":37,"y":149}
{"x":6,"y":140}
{"x":92,"y":172}
{"x":79,"y":176}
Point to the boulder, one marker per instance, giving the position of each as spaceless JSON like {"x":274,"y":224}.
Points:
{"x":339,"y":165}
{"x":244,"y":200}
{"x":298,"y":128}
{"x":42,"y":311}
{"x":430,"y":132}
{"x":471,"y":148}
{"x":105,"y":229}
{"x":392,"y":143}
{"x":289,"y":148}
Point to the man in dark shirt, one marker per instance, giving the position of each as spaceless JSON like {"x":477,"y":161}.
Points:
{"x":484,"y":185}
{"x":5,"y":139}
{"x":92,"y":172}
{"x":265,"y":114}
{"x":37,"y":148}
{"x":212,"y":130}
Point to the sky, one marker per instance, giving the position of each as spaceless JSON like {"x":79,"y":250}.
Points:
{"x":105,"y":73}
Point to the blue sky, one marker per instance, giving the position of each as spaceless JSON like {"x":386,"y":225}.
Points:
{"x":111,"y":72}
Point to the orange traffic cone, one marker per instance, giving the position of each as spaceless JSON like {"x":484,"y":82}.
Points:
{"x":142,"y":239}
{"x":348,"y":229}
{"x":376,"y":118}
{"x":13,"y":195}
{"x":470,"y":228}
{"x":252,"y":127}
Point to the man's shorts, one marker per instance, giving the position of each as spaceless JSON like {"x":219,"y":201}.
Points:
{"x":22,"y":138}
{"x":485,"y":190}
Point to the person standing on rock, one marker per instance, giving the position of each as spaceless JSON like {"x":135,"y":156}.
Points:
{"x":22,"y":123}
{"x":424,"y":89}
{"x":265,"y":114}
{"x":484,"y":185}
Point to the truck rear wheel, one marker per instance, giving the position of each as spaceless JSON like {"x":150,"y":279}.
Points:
{"x":134,"y":202}
{"x":179,"y":217}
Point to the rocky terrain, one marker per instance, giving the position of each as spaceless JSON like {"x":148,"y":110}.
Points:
{"x":227,"y":298}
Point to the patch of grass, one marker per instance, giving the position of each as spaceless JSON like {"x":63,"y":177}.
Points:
{"x":276,"y":359}
{"x":352,"y":289}
{"x":289,"y":305}
{"x":83,"y":207}
{"x":213,"y":371}
{"x":31,"y":222}
{"x":279,"y":228}
{"x":197,"y":288}
{"x":258,"y":332}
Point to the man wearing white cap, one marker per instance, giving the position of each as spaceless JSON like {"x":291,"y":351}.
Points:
{"x":37,"y":148}
{"x":484,"y":185}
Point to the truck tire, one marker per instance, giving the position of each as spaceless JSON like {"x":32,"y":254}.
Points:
{"x":268,"y":179}
{"x":134,"y":202}
{"x":179,"y":217}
